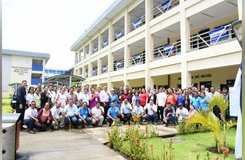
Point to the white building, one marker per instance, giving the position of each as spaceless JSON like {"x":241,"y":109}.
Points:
{"x":152,"y":43}
{"x":22,"y":65}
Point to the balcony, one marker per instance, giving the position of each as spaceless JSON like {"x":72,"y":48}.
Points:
{"x":35,"y":81}
{"x":37,"y":67}
{"x":104,"y":70}
{"x":167,"y":50}
{"x":138,"y":59}
{"x":137,"y":23}
{"x":164,"y":7}
{"x":119,"y":34}
{"x":118,"y":65}
{"x":94,"y":73}
{"x":211,"y":38}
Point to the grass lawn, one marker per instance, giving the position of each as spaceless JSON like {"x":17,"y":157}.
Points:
{"x":186,"y":147}
{"x":6,"y":108}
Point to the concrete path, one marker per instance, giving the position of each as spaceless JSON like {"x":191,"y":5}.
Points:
{"x":101,"y":133}
{"x":77,"y":144}
{"x":63,"y":145}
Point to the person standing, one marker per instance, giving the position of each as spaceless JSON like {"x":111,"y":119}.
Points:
{"x":37,"y":97}
{"x":104,"y":98}
{"x":21,"y":101}
{"x":161,"y":98}
{"x":44,"y":96}
{"x":94,"y":98}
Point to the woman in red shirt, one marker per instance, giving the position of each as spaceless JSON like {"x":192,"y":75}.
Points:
{"x":143,"y":97}
{"x":171,"y":97}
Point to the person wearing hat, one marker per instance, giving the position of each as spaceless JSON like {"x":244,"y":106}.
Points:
{"x":181,"y":112}
{"x":169,"y":114}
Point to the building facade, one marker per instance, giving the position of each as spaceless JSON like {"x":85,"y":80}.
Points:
{"x":169,"y":43}
{"x":54,"y":72}
{"x":22,"y":65}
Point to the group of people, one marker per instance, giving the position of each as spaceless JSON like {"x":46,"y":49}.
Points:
{"x":49,"y":107}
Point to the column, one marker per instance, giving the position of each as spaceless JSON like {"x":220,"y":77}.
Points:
{"x":99,"y":66}
{"x":148,"y":43}
{"x":239,"y":6}
{"x":44,"y":62}
{"x":185,"y":45}
{"x":110,"y":63}
{"x":99,"y":42}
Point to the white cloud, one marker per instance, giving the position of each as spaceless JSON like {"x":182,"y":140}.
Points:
{"x":49,"y":26}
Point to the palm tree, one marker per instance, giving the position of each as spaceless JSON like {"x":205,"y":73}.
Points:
{"x":212,"y":123}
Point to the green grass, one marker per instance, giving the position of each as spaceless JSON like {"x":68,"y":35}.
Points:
{"x":189,"y":146}
{"x":6,"y":108}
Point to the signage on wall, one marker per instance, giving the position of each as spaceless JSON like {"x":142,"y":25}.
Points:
{"x":21,"y":70}
{"x":199,"y":76}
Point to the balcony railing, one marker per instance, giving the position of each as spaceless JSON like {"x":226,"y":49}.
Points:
{"x":137,"y":23}
{"x":118,"y":65}
{"x":167,"y":50}
{"x":94,"y":73}
{"x":37,"y":67}
{"x":119,"y":34}
{"x":85,"y":75}
{"x":165,"y":6}
{"x":105,"y":43}
{"x":95,"y":49}
{"x":138,"y":59}
{"x":104,"y":69}
{"x":212,"y":37}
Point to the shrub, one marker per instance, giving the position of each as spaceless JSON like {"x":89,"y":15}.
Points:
{"x":151,"y":131}
{"x":115,"y":138}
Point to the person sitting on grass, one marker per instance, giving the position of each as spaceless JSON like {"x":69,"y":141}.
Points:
{"x":169,"y":114}
{"x":113,"y":114}
{"x":45,"y":117}
{"x":30,"y":119}
{"x":70,"y":114}
{"x":126,"y":110}
{"x":84,"y":115}
{"x":151,"y":112}
{"x":181,"y":113}
{"x":58,"y":118}
{"x":138,"y":112}
{"x":97,"y":114}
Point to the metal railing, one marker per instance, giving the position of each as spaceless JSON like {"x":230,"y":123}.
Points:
{"x":137,"y":23}
{"x":167,"y":50}
{"x":105,"y":43}
{"x":212,"y":37}
{"x":118,"y":65}
{"x":94,"y":72}
{"x":95,"y":49}
{"x":119,"y":34}
{"x":138,"y":59}
{"x":85,"y":75}
{"x":104,"y":69}
{"x":165,"y":6}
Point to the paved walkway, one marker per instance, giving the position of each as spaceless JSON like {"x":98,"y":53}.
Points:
{"x":76,"y":144}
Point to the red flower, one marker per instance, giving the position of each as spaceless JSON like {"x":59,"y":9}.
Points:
{"x":226,"y":151}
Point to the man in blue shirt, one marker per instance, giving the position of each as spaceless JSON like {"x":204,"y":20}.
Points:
{"x":126,"y":110}
{"x":195,"y":100}
{"x":113,"y":114}
{"x":84,"y":115}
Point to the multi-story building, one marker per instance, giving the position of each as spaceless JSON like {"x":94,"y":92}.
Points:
{"x":152,"y":43}
{"x":22,"y":65}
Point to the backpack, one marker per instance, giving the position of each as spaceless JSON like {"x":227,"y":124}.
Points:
{"x":14,"y":100}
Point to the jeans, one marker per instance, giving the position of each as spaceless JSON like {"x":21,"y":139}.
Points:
{"x":101,"y":118}
{"x":73,"y":119}
{"x":152,"y":118}
{"x":87,"y":119}
{"x":172,"y":119}
{"x":110,"y":121}
{"x":160,"y":112}
{"x":30,"y":123}
{"x":126,"y":118}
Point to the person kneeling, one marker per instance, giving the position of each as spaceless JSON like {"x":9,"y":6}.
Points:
{"x":97,"y":115}
{"x":58,"y":118}
{"x":70,"y":114}
{"x":169,"y":114}
{"x":138,"y":112}
{"x":84,"y":115}
{"x":152,"y":112}
{"x":112,"y":114}
{"x":126,"y":110}
{"x":30,"y":118}
{"x":45,"y":118}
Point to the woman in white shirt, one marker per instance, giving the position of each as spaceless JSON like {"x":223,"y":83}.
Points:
{"x":30,"y":96}
{"x":37,"y":97}
{"x":62,"y":98}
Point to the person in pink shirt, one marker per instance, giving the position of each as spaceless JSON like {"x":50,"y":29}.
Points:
{"x":93,"y":99}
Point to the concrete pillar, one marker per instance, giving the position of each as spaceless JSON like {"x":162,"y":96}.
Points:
{"x":148,"y":43}
{"x":110,"y":63}
{"x":44,"y":63}
{"x":185,"y":46}
{"x":111,"y":34}
{"x":99,"y":42}
{"x":239,"y":5}
{"x":99,"y":67}
{"x":127,"y":20}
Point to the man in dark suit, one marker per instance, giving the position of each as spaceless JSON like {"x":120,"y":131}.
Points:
{"x":21,"y":101}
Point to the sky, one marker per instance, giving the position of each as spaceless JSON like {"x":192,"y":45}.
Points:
{"x":48,"y":26}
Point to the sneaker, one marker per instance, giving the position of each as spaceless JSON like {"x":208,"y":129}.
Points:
{"x":31,"y":132}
